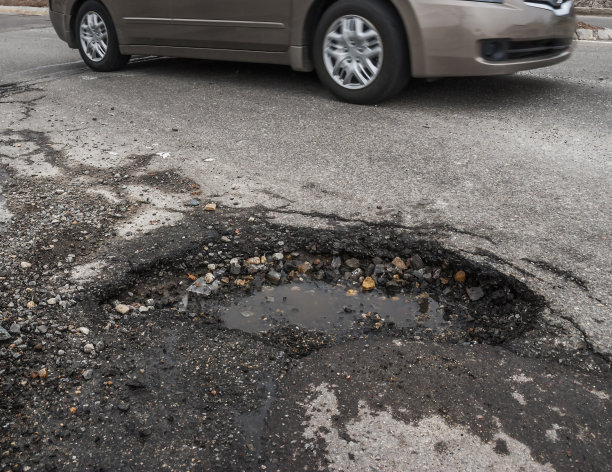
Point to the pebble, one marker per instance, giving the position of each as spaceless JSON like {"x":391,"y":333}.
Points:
{"x":26,"y":265}
{"x":83,"y":330}
{"x":416,"y":262}
{"x":200,"y":287}
{"x":42,"y":329}
{"x":253,"y":261}
{"x":273,"y":276}
{"x":30,"y":304}
{"x":399,"y":263}
{"x":278,"y":257}
{"x":88,"y":374}
{"x":304,"y":267}
{"x":368,"y":284}
{"x":211,"y":207}
{"x":4,"y":334}
{"x":89,"y":348}
{"x":209,"y":278}
{"x":51,"y":301}
{"x":235,"y":267}
{"x":352,"y":263}
{"x":475,"y":293}
{"x":193,"y":203}
{"x":15,"y":328}
{"x":459,"y":276}
{"x":123,"y":309}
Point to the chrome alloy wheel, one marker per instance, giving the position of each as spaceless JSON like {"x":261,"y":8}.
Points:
{"x":353,"y":52}
{"x":94,"y":36}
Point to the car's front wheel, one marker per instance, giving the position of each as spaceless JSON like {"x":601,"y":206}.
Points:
{"x":361,"y":52}
{"x":97,"y":38}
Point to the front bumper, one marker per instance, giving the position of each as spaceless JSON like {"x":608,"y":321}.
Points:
{"x":61,"y":24}
{"x":454,"y":32}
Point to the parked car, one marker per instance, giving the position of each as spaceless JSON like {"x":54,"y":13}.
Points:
{"x":364,"y":51}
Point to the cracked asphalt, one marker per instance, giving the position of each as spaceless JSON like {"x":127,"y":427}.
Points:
{"x":98,"y":172}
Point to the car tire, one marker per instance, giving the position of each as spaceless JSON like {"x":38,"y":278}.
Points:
{"x":97,"y":39}
{"x":361,"y":51}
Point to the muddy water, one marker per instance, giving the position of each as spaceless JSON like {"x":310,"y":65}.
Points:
{"x":327,"y":308}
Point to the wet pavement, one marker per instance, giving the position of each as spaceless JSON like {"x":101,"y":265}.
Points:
{"x":377,"y":288}
{"x":317,"y":306}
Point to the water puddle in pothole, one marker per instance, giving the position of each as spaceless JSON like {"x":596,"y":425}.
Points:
{"x":322,"y":307}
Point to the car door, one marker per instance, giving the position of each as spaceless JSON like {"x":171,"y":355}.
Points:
{"x":142,"y":21}
{"x":257,"y":25}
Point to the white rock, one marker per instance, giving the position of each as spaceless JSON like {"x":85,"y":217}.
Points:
{"x":123,"y":309}
{"x":89,"y":348}
{"x":83,"y":330}
{"x":604,"y":34}
{"x":585,"y":34}
{"x":26,"y":265}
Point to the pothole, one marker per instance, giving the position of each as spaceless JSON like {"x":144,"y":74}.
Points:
{"x":302,"y":300}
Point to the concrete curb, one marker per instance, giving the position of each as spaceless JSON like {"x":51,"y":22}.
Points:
{"x":38,"y":11}
{"x":594,"y":11}
{"x":583,"y":34}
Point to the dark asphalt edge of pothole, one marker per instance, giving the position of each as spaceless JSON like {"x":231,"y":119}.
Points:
{"x":166,"y":247}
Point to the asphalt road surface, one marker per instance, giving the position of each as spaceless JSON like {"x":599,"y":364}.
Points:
{"x":512,"y":174}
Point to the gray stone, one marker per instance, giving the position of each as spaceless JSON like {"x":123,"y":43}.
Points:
{"x":200,"y":287}
{"x":15,"y":328}
{"x":88,"y":374}
{"x":42,"y":329}
{"x":193,"y":203}
{"x":4,"y":334}
{"x":475,"y":293}
{"x":336,"y":263}
{"x":235,"y":266}
{"x":278,"y":256}
{"x":89,"y":348}
{"x":352,"y":263}
{"x":416,"y":262}
{"x":273,"y":277}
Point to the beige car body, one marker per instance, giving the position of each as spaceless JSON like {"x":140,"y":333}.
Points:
{"x":443,"y":35}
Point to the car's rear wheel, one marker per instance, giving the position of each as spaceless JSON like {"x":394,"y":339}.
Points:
{"x":97,"y":38}
{"x":361,"y":52}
